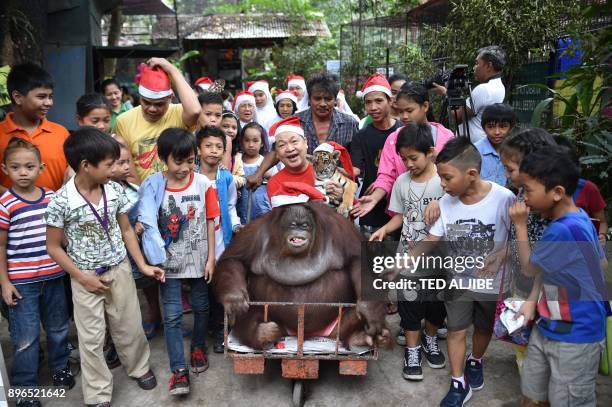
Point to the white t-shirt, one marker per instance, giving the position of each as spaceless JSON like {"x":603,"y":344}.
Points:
{"x":410,"y":198}
{"x":483,"y":95}
{"x":475,"y":230}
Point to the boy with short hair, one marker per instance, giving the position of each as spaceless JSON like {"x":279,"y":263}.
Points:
{"x":566,"y":342}
{"x":31,"y":90}
{"x":179,"y":206}
{"x":498,"y":120}
{"x":90,"y":212}
{"x":32,"y":283}
{"x":211,"y":142}
{"x":212,"y":114}
{"x":475,"y":224}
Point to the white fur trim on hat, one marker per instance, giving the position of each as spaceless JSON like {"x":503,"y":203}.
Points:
{"x":328,"y":148}
{"x":244,"y":99}
{"x":286,"y":95}
{"x":204,"y":86}
{"x":280,"y":200}
{"x":290,"y":129}
{"x":376,"y":88}
{"x":297,"y":82}
{"x":150,"y":94}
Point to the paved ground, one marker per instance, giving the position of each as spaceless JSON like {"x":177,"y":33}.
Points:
{"x":383,"y":385}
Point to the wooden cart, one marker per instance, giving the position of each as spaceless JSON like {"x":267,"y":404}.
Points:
{"x":299,"y":366}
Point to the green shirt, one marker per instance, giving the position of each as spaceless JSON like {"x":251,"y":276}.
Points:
{"x":124,"y":108}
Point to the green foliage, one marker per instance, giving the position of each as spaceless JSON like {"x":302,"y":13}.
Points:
{"x":5,"y":99}
{"x":584,"y":95}
{"x":178,"y":62}
{"x":521,"y":28}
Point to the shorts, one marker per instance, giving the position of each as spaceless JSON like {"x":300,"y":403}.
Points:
{"x":561,"y":373}
{"x":465,"y":308}
{"x":413,"y":312}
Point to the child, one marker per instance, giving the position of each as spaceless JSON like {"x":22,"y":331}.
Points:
{"x":31,"y":90}
{"x":512,"y":151}
{"x":566,"y":343}
{"x":411,"y":193}
{"x":211,"y":115}
{"x":498,"y":120}
{"x":231,"y":127}
{"x":211,"y":146}
{"x":187,"y":205}
{"x":93,"y":110}
{"x":587,"y":195}
{"x":412,"y":105}
{"x":32,"y":283}
{"x":253,"y":147}
{"x":90,"y":212}
{"x":471,"y":211}
{"x":286,"y":105}
{"x":264,"y":104}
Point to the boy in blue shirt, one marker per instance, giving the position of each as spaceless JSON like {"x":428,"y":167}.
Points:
{"x":498,"y":120}
{"x":566,"y":343}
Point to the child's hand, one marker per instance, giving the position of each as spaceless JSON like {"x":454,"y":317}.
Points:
{"x":519,"y":212}
{"x":379,"y":235}
{"x":492,"y":264}
{"x":138,"y":228}
{"x":93,"y":284}
{"x":432,"y":212}
{"x":9,"y":292}
{"x":155,"y":272}
{"x":527,"y":310}
{"x":363,"y":206}
{"x":209,"y":270}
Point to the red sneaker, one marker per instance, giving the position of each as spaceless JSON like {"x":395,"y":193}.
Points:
{"x":179,"y":382}
{"x":199,"y":360}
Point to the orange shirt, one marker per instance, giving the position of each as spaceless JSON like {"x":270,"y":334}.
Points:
{"x":49,"y":137}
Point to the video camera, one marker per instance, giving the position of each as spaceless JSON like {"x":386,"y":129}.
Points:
{"x":452,"y":79}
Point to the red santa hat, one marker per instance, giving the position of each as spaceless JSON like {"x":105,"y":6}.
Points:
{"x":293,"y":80}
{"x":261,"y":85}
{"x":345,"y":157}
{"x":290,"y":124}
{"x":296,"y":192}
{"x":154,"y":83}
{"x":286,"y":94}
{"x":375,"y":83}
{"x":204,"y":82}
{"x":243,"y":97}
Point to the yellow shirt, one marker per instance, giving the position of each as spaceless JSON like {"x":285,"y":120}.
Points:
{"x":142,"y":136}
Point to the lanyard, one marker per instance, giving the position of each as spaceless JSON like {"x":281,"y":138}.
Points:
{"x":103,"y":222}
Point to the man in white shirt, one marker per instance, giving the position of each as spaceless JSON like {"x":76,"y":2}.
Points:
{"x":488,"y":69}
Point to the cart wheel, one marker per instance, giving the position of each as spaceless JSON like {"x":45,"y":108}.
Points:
{"x":298,"y":393}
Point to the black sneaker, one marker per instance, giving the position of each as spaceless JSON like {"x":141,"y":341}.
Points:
{"x":147,"y":381}
{"x":218,"y":343}
{"x":457,"y":395}
{"x":111,"y":356}
{"x":412,"y":364}
{"x":433,"y":354}
{"x":179,"y":382}
{"x":28,"y":403}
{"x":64,"y":377}
{"x":475,"y":374}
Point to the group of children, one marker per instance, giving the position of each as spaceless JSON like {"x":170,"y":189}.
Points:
{"x":112,"y":236}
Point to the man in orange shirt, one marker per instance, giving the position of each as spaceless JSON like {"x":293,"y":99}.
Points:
{"x":31,"y":90}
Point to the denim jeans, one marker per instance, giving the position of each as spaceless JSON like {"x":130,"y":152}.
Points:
{"x":44,"y":301}
{"x":173,"y":317}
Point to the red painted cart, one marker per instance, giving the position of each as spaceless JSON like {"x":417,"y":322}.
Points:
{"x":299,"y":366}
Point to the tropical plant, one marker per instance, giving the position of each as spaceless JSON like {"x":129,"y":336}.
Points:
{"x":5,"y":99}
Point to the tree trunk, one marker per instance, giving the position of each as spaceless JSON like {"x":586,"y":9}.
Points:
{"x":22,"y":28}
{"x":114,"y":34}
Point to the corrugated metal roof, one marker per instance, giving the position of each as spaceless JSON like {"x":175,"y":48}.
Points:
{"x":238,"y":26}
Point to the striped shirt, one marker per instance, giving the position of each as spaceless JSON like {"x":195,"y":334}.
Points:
{"x":26,"y":248}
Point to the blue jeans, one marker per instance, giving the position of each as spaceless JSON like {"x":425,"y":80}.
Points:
{"x":173,"y":317}
{"x":46,"y":302}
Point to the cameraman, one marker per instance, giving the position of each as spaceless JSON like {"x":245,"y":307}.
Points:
{"x":488,"y":69}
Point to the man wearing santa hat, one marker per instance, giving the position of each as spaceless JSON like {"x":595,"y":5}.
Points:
{"x":368,"y":143}
{"x":141,"y":126}
{"x":290,"y":146}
